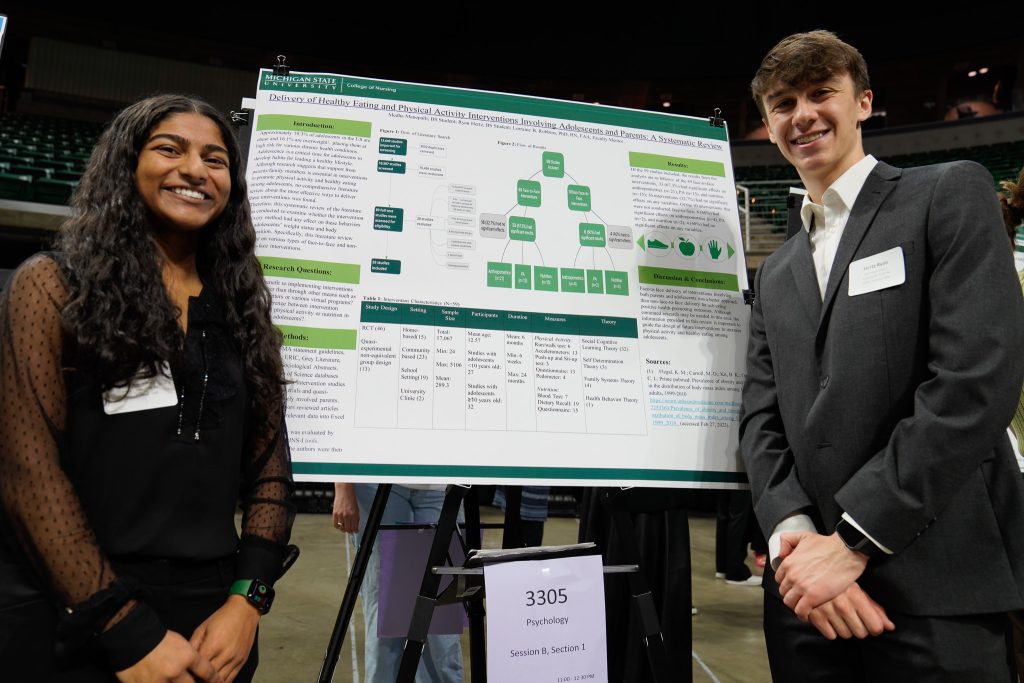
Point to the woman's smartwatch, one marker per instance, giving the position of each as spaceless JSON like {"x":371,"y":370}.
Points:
{"x":259,"y":594}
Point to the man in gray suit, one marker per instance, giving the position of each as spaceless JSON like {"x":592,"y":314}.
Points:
{"x":883,"y":368}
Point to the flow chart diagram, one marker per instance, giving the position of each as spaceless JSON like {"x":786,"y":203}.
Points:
{"x":595,"y":237}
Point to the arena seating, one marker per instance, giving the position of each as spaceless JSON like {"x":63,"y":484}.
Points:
{"x":42,"y":158}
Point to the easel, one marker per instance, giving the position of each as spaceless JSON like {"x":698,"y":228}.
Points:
{"x":620,"y":505}
{"x":426,"y":600}
{"x":447,"y":525}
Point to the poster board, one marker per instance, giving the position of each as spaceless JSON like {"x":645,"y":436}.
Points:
{"x":482,"y":287}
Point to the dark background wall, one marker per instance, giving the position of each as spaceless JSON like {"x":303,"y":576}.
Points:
{"x":77,"y":60}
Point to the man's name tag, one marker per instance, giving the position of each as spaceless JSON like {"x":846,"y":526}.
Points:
{"x":876,"y":272}
{"x":141,"y":394}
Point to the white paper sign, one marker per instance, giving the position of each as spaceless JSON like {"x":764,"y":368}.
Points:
{"x":545,"y":621}
{"x":879,"y":271}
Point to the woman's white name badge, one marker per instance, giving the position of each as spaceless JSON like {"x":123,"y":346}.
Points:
{"x":880,"y":271}
{"x":142,"y":393}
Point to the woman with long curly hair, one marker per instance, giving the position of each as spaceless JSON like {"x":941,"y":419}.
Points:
{"x":142,"y":392}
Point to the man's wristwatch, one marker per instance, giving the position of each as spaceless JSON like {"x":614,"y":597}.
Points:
{"x":259,"y":594}
{"x":855,"y":539}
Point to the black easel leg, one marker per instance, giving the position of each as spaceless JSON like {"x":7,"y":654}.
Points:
{"x":355,"y":581}
{"x":475,"y":608}
{"x":424,"y":609}
{"x":643,"y":599}
{"x":513,"y":534}
{"x":681,"y":628}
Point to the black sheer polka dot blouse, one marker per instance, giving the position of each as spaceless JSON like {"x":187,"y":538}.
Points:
{"x":82,"y":490}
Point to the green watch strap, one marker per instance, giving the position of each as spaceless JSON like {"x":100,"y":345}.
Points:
{"x":258,"y":593}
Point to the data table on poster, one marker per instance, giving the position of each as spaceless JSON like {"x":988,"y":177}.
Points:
{"x":435,"y":367}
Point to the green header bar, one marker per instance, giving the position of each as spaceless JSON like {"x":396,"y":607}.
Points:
{"x":301,"y":269}
{"x":660,"y":162}
{"x":688,"y":278}
{"x":381,"y":312}
{"x":318,"y":337}
{"x":416,"y":98}
{"x":418,"y":315}
{"x":555,"y":323}
{"x":507,"y":321}
{"x":477,"y":319}
{"x":446,"y":316}
{"x":313,"y":124}
{"x":455,"y":472}
{"x":313,"y":83}
{"x":517,"y":322}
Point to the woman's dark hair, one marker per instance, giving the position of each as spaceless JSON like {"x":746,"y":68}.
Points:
{"x":119,"y":315}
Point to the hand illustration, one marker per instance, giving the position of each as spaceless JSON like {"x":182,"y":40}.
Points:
{"x":714,"y":249}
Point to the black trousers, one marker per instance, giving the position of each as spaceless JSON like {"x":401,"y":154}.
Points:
{"x":183,"y":594}
{"x":735,"y":527}
{"x":968,"y":649}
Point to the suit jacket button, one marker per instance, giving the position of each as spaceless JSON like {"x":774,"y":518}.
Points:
{"x":824,"y":381}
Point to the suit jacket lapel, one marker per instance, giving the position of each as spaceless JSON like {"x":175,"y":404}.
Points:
{"x":802,"y":267}
{"x":876,"y":188}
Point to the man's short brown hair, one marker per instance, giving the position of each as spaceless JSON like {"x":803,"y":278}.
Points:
{"x":804,"y":58}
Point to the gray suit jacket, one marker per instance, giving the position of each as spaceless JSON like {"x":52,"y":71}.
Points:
{"x":893,"y":405}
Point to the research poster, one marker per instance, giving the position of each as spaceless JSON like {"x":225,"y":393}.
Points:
{"x":483,"y":287}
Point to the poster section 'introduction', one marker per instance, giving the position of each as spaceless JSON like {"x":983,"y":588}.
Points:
{"x":476,"y":286}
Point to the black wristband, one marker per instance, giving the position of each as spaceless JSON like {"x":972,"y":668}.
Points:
{"x":79,"y":625}
{"x":855,"y":539}
{"x":132,"y":638}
